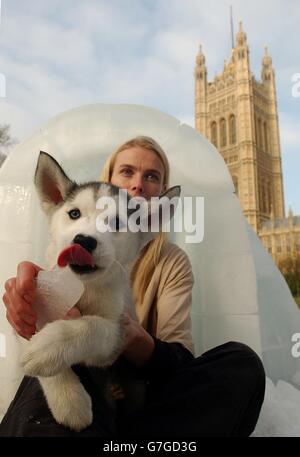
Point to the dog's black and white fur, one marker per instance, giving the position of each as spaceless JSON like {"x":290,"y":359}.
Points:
{"x":95,"y":338}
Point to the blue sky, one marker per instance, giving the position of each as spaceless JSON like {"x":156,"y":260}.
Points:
{"x":56,"y":55}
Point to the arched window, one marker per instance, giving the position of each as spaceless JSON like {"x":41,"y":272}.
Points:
{"x":260,"y":139}
{"x":236,"y":184}
{"x":267,"y":198}
{"x":214,"y":133}
{"x":256,"y":130}
{"x":270,"y":199}
{"x":260,"y":197}
{"x":264,"y":207}
{"x":223,"y":136}
{"x":266,"y":141}
{"x":232,"y":129}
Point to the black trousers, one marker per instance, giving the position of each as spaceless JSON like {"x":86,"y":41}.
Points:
{"x":219,"y":393}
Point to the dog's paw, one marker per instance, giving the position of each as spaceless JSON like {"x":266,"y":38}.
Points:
{"x":73,"y":409}
{"x":42,"y":358}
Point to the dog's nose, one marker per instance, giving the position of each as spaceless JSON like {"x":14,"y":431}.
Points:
{"x":87,"y":242}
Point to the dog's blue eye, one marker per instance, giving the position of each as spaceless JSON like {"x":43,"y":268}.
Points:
{"x":74,"y":213}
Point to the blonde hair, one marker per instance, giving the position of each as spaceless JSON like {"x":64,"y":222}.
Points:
{"x":150,"y":255}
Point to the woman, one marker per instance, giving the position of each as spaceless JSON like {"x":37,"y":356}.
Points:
{"x":219,"y":393}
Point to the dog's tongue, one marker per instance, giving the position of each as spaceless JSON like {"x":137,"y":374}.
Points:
{"x":75,"y":254}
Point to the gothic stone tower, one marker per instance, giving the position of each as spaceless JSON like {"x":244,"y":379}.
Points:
{"x":239,"y":116}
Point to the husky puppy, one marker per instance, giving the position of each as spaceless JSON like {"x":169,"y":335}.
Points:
{"x":94,"y":339}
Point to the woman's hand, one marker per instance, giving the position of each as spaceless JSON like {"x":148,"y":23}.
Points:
{"x":138,"y":345}
{"x":19,"y":297}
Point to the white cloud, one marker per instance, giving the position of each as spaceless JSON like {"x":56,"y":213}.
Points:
{"x":33,"y":95}
{"x":46,"y":43}
{"x":57,"y":55}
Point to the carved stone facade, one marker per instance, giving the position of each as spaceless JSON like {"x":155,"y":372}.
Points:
{"x":238,"y":114}
{"x":281,"y":237}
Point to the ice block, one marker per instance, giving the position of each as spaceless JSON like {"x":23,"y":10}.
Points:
{"x":57,"y":292}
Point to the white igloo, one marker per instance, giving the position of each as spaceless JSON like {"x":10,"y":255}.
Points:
{"x":239,"y":293}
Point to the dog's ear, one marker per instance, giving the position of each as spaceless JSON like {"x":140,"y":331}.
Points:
{"x":168,"y":201}
{"x":155,"y":215}
{"x":162,"y":210}
{"x":51,"y":182}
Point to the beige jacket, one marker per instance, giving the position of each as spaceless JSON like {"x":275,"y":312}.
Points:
{"x":165,"y":312}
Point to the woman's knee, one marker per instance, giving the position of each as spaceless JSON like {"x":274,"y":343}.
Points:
{"x":250,"y":367}
{"x":238,"y":360}
{"x":238,"y":347}
{"x":242,"y":350}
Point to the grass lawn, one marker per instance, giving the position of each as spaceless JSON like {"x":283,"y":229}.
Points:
{"x":298,"y":301}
